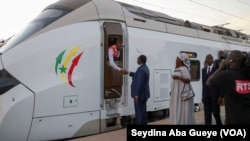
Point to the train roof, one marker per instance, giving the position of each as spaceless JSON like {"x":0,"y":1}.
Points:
{"x":161,"y":17}
{"x":138,"y":17}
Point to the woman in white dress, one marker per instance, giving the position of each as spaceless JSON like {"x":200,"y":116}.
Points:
{"x":181,"y":112}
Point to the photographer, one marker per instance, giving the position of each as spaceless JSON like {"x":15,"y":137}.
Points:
{"x":235,"y":83}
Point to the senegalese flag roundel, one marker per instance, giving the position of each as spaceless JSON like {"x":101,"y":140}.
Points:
{"x":66,"y":63}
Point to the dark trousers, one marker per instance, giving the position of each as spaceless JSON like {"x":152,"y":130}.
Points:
{"x":211,"y":107}
{"x":141,"y":117}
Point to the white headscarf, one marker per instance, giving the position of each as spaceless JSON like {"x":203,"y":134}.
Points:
{"x":185,"y":59}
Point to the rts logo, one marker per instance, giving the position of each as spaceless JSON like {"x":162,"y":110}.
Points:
{"x":66,"y":63}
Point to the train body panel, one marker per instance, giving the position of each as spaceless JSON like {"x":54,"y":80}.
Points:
{"x":65,"y":126}
{"x":16,"y":110}
{"x":57,"y":71}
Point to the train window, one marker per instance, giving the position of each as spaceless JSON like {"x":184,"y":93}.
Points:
{"x":195,"y":70}
{"x":45,"y":18}
{"x":6,"y":82}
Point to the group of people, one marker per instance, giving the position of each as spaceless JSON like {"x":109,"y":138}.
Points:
{"x":227,"y":81}
{"x":232,"y":77}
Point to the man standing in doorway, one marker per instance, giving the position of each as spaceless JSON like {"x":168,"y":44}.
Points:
{"x":211,"y":96}
{"x":113,"y":55}
{"x":140,"y":90}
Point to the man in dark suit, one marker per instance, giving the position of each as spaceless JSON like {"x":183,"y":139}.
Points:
{"x":140,"y":90}
{"x":211,"y":96}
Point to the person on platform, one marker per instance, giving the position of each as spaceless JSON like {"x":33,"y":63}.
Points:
{"x":140,"y":91}
{"x":211,"y":96}
{"x":181,"y":112}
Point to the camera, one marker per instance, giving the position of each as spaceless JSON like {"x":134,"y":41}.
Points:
{"x":245,"y":64}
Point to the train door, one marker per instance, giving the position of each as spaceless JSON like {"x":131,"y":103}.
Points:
{"x":113,"y":79}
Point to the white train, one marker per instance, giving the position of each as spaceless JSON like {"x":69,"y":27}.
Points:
{"x":55,"y":81}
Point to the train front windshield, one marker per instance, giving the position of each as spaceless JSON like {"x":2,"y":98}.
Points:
{"x":44,"y":19}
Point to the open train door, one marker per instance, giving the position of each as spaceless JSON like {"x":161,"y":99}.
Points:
{"x":113,"y":94}
{"x":113,"y":79}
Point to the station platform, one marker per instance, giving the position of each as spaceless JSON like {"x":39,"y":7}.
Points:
{"x":121,"y":134}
